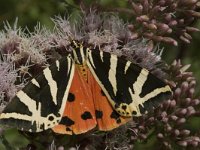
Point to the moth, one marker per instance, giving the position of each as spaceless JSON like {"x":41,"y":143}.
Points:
{"x":88,"y":88}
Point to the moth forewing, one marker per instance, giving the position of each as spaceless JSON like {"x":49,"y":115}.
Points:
{"x":40,"y":104}
{"x":130,"y":89}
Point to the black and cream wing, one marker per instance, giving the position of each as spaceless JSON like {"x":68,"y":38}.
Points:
{"x":40,"y":104}
{"x":131,"y":90}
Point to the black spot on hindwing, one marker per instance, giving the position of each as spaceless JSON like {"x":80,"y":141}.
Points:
{"x":98,"y":114}
{"x":67,"y":121}
{"x":115,"y":115}
{"x":86,"y":115}
{"x":68,"y":129}
{"x":71,"y":97}
{"x":119,"y":121}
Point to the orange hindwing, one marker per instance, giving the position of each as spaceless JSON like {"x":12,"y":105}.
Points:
{"x":87,"y":106}
{"x":79,"y":114}
{"x":107,"y":118}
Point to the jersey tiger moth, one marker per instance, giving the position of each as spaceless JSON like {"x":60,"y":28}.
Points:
{"x":84,"y":89}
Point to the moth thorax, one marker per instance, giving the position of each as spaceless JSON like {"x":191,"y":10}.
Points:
{"x":79,"y":54}
{"x":83,"y":70}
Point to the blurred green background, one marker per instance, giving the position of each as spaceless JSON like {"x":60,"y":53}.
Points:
{"x":30,"y":12}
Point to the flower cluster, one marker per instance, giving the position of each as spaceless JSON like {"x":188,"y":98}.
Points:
{"x":7,"y":77}
{"x":164,"y":20}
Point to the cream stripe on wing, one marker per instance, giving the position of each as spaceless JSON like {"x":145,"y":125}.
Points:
{"x":30,"y":103}
{"x":58,"y":65}
{"x":35,"y":82}
{"x":137,"y":89}
{"x":90,"y":58}
{"x":101,"y":55}
{"x":128,"y":63}
{"x":40,"y":122}
{"x":156,"y":92}
{"x":34,"y":108}
{"x":52,"y":84}
{"x":71,"y":75}
{"x":75,"y":56}
{"x":82,"y":53}
{"x":141,"y":79}
{"x":112,"y":73}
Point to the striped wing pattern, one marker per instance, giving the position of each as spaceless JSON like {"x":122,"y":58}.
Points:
{"x":131,"y":90}
{"x":44,"y":103}
{"x":40,"y":104}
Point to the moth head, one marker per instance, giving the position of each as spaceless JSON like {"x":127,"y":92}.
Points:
{"x":78,"y":52}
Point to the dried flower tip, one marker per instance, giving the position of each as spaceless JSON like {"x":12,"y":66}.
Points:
{"x":187,"y":101}
{"x":169,"y":128}
{"x":182,"y":143}
{"x":191,"y":92}
{"x":194,"y":13}
{"x":165,"y":120}
{"x":185,"y":132}
{"x":195,"y":102}
{"x":137,"y":8}
{"x":173,"y":104}
{"x":163,"y":27}
{"x":190,"y":111}
{"x":170,"y":41}
{"x":192,"y":84}
{"x":176,"y":132}
{"x":143,"y":18}
{"x":192,"y":29}
{"x":173,"y":23}
{"x":184,"y":86}
{"x":185,"y":68}
{"x":187,"y":36}
{"x":180,"y":121}
{"x":173,"y":117}
{"x":150,"y":26}
{"x":160,"y":136}
{"x":195,"y":143}
{"x":166,"y":104}
{"x":184,"y":39}
{"x":181,"y":112}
